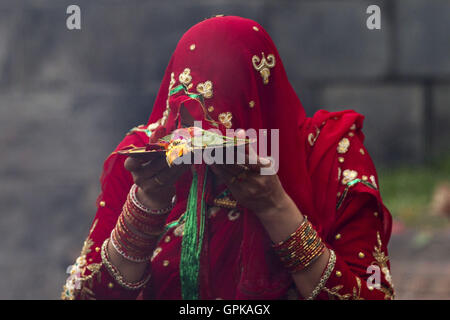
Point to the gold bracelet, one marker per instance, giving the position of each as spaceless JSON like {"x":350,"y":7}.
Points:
{"x":325,"y":276}
{"x":116,"y":275}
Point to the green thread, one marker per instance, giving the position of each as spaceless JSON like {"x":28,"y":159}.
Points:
{"x":191,"y":245}
{"x":175,"y":223}
{"x":182,"y":87}
{"x":177,"y":89}
{"x":351,"y":184}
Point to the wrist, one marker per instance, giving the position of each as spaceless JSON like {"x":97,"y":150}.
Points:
{"x":161,"y":201}
{"x":277,"y":211}
{"x":281,"y":220}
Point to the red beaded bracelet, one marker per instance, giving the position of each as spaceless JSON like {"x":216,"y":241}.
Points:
{"x":301,"y":248}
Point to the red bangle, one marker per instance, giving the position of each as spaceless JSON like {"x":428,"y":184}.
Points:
{"x":142,"y":217}
{"x":144,"y":228}
{"x":131,"y":237}
{"x":140,"y":206}
{"x":127,"y":253}
{"x":301,"y":248}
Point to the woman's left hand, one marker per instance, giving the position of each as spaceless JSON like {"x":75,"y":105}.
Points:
{"x":262,"y":194}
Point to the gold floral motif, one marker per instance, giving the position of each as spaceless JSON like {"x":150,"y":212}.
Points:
{"x":233,"y":215}
{"x":179,"y":231}
{"x":172,"y":80}
{"x":153,"y":126}
{"x":381,"y":260}
{"x":94,"y":225}
{"x":313,"y":137}
{"x":225,"y":119}
{"x":349,"y":175}
{"x":87,"y":244}
{"x":205,"y":89}
{"x":357,"y":294}
{"x":212,"y":212}
{"x":372,"y":179}
{"x":333,"y":293}
{"x":225,"y":202}
{"x":78,"y":283}
{"x":343,"y":145}
{"x":264,"y":65}
{"x":155,"y":253}
{"x":185,"y":77}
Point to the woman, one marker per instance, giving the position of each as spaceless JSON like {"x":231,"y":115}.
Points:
{"x":311,"y":231}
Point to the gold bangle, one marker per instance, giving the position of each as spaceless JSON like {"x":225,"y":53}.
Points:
{"x":325,"y":276}
{"x":116,"y":275}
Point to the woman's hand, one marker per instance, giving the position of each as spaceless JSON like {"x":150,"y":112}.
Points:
{"x":262,"y":194}
{"x":155,"y":179}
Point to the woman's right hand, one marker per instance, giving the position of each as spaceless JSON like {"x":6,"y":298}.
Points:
{"x":155,"y":179}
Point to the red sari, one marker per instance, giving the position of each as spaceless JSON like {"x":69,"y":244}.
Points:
{"x":227,"y":72}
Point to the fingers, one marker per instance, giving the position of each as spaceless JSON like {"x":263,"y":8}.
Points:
{"x":132,"y":164}
{"x":145,"y":168}
{"x":153,"y":174}
{"x":170,"y":175}
{"x":224,"y":175}
{"x":233,"y":169}
{"x":260,"y":163}
{"x":252,"y":160}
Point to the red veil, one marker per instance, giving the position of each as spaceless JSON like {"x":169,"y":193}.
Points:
{"x":232,"y":77}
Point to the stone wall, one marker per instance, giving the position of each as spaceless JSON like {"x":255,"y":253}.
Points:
{"x":67,"y":98}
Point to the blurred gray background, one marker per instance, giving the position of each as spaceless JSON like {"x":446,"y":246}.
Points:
{"x":68,"y":97}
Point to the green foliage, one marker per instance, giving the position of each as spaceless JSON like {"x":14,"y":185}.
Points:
{"x":407,"y":192}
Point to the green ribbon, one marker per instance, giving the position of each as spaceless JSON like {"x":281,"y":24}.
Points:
{"x":182,"y":87}
{"x":191,"y":246}
{"x":177,"y":89}
{"x":349,"y":185}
